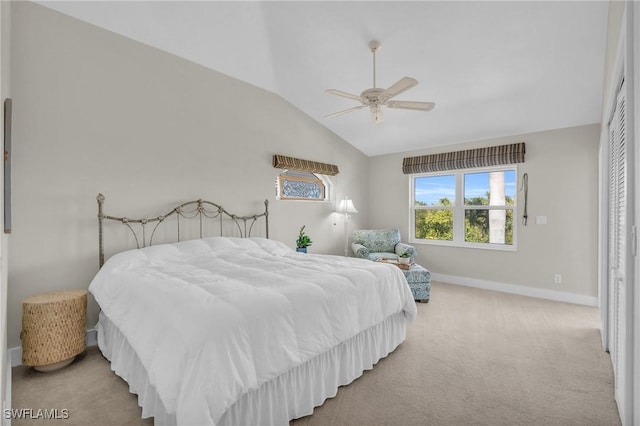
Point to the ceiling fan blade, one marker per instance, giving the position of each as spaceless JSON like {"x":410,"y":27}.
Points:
{"x":335,"y":114}
{"x":345,"y":94}
{"x":405,"y":83}
{"x":419,"y":106}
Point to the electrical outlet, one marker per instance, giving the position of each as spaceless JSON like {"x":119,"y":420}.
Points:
{"x":557,"y":278}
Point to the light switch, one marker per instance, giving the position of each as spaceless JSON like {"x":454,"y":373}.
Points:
{"x":541,"y":220}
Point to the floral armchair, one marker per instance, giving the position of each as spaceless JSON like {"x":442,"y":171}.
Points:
{"x":375,"y":244}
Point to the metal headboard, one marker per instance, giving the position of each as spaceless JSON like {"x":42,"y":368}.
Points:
{"x":197,"y":209}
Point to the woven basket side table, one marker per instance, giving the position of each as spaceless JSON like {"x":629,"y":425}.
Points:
{"x":53,"y":328}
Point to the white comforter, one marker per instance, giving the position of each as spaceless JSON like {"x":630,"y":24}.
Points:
{"x":211,"y":319}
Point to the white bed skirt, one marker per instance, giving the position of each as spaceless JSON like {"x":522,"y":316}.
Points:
{"x":291,"y":395}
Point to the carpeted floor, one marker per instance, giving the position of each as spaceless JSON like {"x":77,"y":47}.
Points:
{"x":472,"y":357}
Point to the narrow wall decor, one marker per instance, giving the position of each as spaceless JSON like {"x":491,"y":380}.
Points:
{"x":7,"y":165}
{"x":525,"y":186}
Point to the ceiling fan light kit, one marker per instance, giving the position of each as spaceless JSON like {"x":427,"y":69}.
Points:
{"x":375,"y":98}
{"x":376,"y":114}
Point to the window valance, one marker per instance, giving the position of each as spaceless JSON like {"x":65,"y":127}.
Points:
{"x":480,"y":157}
{"x":290,"y":163}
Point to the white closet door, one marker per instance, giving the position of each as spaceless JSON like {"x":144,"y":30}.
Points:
{"x":618,"y":230}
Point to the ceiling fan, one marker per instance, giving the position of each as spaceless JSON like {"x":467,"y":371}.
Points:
{"x":375,"y":97}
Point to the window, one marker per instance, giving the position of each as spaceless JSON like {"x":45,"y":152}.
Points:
{"x":295,"y":185}
{"x":465,"y":208}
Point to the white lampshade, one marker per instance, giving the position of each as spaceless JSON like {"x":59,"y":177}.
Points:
{"x":346,"y":206}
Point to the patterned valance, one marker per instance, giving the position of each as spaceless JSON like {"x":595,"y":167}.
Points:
{"x":290,"y":163}
{"x":480,"y":157}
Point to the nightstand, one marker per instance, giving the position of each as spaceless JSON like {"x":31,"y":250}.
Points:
{"x":53,"y":329}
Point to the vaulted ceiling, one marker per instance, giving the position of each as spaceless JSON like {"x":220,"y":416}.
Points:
{"x":492,"y":68}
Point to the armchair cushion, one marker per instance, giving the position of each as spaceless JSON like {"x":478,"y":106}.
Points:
{"x":382,"y":255}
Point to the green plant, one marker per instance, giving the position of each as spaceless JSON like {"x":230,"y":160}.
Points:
{"x":303,"y":239}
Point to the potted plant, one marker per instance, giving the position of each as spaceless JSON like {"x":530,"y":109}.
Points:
{"x":404,"y":258}
{"x":303,"y":241}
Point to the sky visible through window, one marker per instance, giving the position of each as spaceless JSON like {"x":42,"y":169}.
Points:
{"x":431,"y":189}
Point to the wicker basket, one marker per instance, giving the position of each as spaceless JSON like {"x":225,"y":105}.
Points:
{"x":53,"y":327}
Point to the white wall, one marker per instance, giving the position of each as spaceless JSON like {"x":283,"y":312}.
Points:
{"x":614,"y":23}
{"x":562,"y":166}
{"x":96,"y":112}
{"x":5,"y":10}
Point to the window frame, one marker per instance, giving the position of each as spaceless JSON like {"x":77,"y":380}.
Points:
{"x":317,"y":178}
{"x":459,"y":208}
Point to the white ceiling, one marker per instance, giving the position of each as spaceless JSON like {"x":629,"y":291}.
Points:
{"x":492,"y":68}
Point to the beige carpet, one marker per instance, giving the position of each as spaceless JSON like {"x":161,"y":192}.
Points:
{"x":472,"y":357}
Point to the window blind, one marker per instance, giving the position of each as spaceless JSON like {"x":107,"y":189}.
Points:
{"x":290,"y":163}
{"x":470,"y":158}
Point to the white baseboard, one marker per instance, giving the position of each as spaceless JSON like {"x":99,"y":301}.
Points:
{"x":7,"y":393}
{"x":559,"y":296}
{"x":15,"y":354}
{"x":92,"y":337}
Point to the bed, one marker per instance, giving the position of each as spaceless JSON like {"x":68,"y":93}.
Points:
{"x":240,"y":329}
